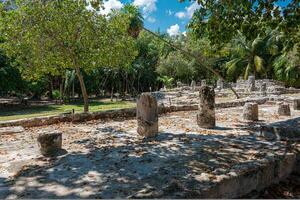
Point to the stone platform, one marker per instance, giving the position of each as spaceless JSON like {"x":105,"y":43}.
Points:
{"x":108,"y":159}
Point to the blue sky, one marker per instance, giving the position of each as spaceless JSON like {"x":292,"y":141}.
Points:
{"x":166,"y":15}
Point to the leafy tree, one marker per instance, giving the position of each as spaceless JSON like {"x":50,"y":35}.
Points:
{"x":52,"y":36}
{"x":287,"y":67}
{"x":220,"y":20}
{"x":253,"y":56}
{"x":176,"y":66}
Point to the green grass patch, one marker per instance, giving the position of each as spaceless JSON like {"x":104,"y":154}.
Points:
{"x":38,"y":111}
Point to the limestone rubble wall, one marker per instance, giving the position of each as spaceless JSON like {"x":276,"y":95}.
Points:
{"x":113,"y":114}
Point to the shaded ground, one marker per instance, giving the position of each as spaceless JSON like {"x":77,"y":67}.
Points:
{"x":287,"y":189}
{"x":108,"y":159}
{"x":36,"y":111}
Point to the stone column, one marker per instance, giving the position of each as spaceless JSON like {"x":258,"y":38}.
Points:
{"x":147,"y":115}
{"x":250,"y":111}
{"x":263,"y":89}
{"x":220,"y":84}
{"x":50,"y":142}
{"x":203,"y":82}
{"x":251,"y":83}
{"x":193,"y":85}
{"x":284,"y":109}
{"x":296,"y":103}
{"x":206,"y":116}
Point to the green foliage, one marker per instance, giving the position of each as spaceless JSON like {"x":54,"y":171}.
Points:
{"x":176,"y":66}
{"x":48,"y":37}
{"x":167,"y":81}
{"x":56,"y":94}
{"x":220,"y":20}
{"x":253,"y":57}
{"x":287,"y":67}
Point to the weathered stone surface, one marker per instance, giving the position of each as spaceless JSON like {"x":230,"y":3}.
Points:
{"x":193,"y":85}
{"x":251,"y":82}
{"x":263,"y":89}
{"x":220,"y":84}
{"x":147,"y":115}
{"x":284,"y":109}
{"x":50,"y":142}
{"x":296,"y":104}
{"x":250,"y":111}
{"x":11,"y":130}
{"x":203,"y":82}
{"x":206,"y":116}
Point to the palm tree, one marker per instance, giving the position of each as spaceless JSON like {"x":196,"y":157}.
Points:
{"x":136,"y":20}
{"x":253,"y":56}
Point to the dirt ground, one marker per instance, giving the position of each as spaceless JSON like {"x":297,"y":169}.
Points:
{"x":108,"y":159}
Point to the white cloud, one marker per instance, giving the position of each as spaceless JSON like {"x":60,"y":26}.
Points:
{"x":148,"y":6}
{"x":180,"y":15}
{"x":173,"y":30}
{"x":151,"y":19}
{"x":189,"y":11}
{"x":110,"y":5}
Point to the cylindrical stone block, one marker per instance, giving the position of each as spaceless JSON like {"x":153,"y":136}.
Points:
{"x":206,"y":117}
{"x":147,"y":115}
{"x":250,"y":111}
{"x":296,"y":103}
{"x":284,"y":109}
{"x":50,"y":142}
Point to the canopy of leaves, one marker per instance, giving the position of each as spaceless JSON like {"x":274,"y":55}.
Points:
{"x":47,"y":37}
{"x":220,"y":20}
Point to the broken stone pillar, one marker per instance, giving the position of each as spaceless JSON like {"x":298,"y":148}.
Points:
{"x":251,"y":83}
{"x":147,"y":115}
{"x":203,"y":82}
{"x":206,"y":116}
{"x":220,"y":84}
{"x":296,"y":103}
{"x":50,"y":142}
{"x":284,"y":109}
{"x":250,"y":111}
{"x":263,"y":89}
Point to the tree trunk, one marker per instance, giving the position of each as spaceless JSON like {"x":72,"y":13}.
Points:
{"x":83,"y":90}
{"x":50,"y":88}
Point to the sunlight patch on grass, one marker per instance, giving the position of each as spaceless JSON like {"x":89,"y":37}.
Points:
{"x":57,"y":109}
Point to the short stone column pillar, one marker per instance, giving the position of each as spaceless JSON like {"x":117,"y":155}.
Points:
{"x":250,"y":111}
{"x":193,"y":85}
{"x":50,"y":142}
{"x":251,"y":83}
{"x":220,"y":84}
{"x":147,"y":115}
{"x":203,"y":82}
{"x":296,"y":103}
{"x":206,"y":117}
{"x":284,"y":109}
{"x":263,"y":89}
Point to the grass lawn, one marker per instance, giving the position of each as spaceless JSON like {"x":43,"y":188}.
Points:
{"x":57,"y":109}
